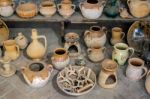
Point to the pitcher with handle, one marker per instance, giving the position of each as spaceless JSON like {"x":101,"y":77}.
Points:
{"x":121,"y":53}
{"x":11,"y":49}
{"x":36,"y":50}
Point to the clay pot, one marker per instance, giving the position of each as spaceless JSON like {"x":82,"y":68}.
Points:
{"x":121,"y":53}
{"x":60,"y":58}
{"x":7,"y":69}
{"x":147,"y":84}
{"x":117,"y":35}
{"x":47,"y":8}
{"x":139,"y":8}
{"x":108,"y":75}
{"x":27,"y":10}
{"x":21,"y":40}
{"x":96,"y":54}
{"x":95,"y":37}
{"x":135,"y":69}
{"x":66,"y":9}
{"x":6,"y":8}
{"x":72,"y":44}
{"x":36,"y":50}
{"x":37,"y":74}
{"x":11,"y":49}
{"x":92,"y":9}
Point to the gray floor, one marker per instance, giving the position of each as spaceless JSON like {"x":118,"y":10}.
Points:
{"x":16,"y":88}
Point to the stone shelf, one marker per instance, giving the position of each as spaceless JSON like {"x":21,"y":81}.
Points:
{"x":75,"y":18}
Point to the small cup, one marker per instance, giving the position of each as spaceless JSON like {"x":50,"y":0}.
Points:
{"x":135,"y":69}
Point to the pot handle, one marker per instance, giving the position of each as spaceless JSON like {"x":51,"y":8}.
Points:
{"x":50,"y":67}
{"x":59,"y":6}
{"x":45,"y":40}
{"x":103,"y":49}
{"x":22,"y":70}
{"x":104,"y":29}
{"x":103,"y":3}
{"x":22,"y":2}
{"x":86,"y":33}
{"x":123,"y":35}
{"x":13,"y":4}
{"x":128,"y":2}
{"x":132,"y":51}
{"x":18,"y":49}
{"x":80,"y":5}
{"x":73,"y":6}
{"x":145,"y":72}
{"x":148,"y":73}
{"x":89,"y":50}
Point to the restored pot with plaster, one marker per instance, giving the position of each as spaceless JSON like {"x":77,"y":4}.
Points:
{"x":47,"y":8}
{"x":21,"y":40}
{"x":108,"y":70}
{"x":66,"y":9}
{"x":121,"y":53}
{"x":36,"y":50}
{"x":60,"y":58}
{"x":147,"y":84}
{"x":135,"y":69}
{"x":6,"y":8}
{"x":139,"y":8}
{"x":96,"y":54}
{"x":37,"y":73}
{"x":7,"y":69}
{"x":11,"y":49}
{"x":92,"y":10}
{"x":95,"y":37}
{"x":117,"y":35}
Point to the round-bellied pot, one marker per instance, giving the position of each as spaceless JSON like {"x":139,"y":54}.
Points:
{"x":60,"y":58}
{"x":37,"y":73}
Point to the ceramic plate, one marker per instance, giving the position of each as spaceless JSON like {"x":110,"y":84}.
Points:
{"x":137,"y":41}
{"x":4,"y":32}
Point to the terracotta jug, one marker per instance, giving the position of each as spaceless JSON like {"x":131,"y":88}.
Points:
{"x":11,"y":49}
{"x":95,"y":37}
{"x":21,"y":40}
{"x":60,"y":58}
{"x":7,"y":69}
{"x":121,"y":53}
{"x":139,"y":8}
{"x":108,"y":75}
{"x":36,"y":49}
{"x":66,"y":9}
{"x":117,"y":35}
{"x":147,"y":84}
{"x":135,"y":69}
{"x":37,"y":73}
{"x":96,"y":54}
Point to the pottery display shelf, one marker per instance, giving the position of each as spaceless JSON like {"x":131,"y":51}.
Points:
{"x":75,"y":18}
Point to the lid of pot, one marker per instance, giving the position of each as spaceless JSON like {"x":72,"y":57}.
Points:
{"x":5,"y":2}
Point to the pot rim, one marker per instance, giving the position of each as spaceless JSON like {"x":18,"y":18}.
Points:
{"x":136,"y":59}
{"x":9,"y":42}
{"x":118,"y":44}
{"x":60,"y":49}
{"x":116,"y":28}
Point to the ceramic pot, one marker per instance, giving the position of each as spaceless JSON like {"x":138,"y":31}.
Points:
{"x":37,"y":73}
{"x":135,"y":69}
{"x":11,"y":49}
{"x":21,"y":40}
{"x":147,"y":84}
{"x":117,"y":35}
{"x":60,"y":58}
{"x":139,"y":8}
{"x":96,"y":54}
{"x":66,"y":9}
{"x":7,"y":69}
{"x":92,"y":9}
{"x":72,"y":44}
{"x":47,"y":8}
{"x":108,"y":74}
{"x":6,"y":8}
{"x":112,"y":8}
{"x":95,"y":37}
{"x":121,"y":53}
{"x":36,"y":50}
{"x":27,"y":10}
